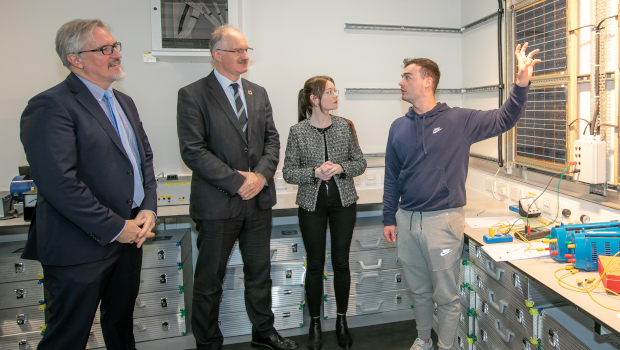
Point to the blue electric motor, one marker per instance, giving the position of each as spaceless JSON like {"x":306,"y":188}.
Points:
{"x":19,"y":185}
{"x":564,"y":234}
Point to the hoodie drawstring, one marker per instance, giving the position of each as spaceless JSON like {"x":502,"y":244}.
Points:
{"x":423,"y":124}
{"x":416,"y":132}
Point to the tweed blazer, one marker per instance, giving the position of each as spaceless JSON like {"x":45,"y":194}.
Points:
{"x":305,"y":151}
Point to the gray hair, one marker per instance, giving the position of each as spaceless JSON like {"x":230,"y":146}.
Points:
{"x":73,"y":36}
{"x":219,"y":34}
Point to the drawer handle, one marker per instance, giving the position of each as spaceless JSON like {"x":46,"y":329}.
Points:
{"x":286,"y":314}
{"x":374,"y":309}
{"x":139,"y":303}
{"x":497,"y":273}
{"x":374,"y":275}
{"x":369,"y":246}
{"x":138,"y":325}
{"x":501,"y":307}
{"x":272,"y":253}
{"x":506,"y":335}
{"x":371,"y":267}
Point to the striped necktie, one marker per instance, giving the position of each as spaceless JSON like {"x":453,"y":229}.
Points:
{"x":241,"y":115}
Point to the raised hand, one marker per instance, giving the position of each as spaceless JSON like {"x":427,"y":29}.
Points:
{"x":525,"y":64}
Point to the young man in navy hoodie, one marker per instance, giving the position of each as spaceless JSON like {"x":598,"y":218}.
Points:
{"x":425,"y":168}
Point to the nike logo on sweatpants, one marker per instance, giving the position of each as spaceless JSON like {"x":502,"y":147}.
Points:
{"x":445,"y":252}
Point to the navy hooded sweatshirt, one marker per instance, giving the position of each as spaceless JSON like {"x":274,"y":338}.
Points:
{"x":427,"y":154}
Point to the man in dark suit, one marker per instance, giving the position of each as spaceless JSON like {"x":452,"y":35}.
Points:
{"x":93,"y":166}
{"x":228,"y":139}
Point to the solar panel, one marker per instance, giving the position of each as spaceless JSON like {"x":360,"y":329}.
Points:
{"x":543,"y":26}
{"x":541,"y":132}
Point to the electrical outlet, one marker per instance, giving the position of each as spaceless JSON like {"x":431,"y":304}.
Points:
{"x":358,"y":180}
{"x":488,"y":184}
{"x":371,"y":179}
{"x":502,"y":189}
{"x":516,"y":193}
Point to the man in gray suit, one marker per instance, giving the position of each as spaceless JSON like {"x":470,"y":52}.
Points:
{"x":228,"y":139}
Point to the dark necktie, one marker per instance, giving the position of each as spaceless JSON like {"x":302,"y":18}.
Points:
{"x":241,"y":115}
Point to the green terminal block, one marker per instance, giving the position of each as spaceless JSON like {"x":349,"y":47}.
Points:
{"x":466,"y":263}
{"x":181,"y":289}
{"x":548,"y":237}
{"x":568,"y":242}
{"x":182,"y":312}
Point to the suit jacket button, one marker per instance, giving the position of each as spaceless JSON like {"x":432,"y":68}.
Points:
{"x":130,"y":172}
{"x":245,"y":150}
{"x":129,"y":201}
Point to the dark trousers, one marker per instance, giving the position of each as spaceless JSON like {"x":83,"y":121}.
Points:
{"x":215,"y":241}
{"x":74,"y":293}
{"x":313,"y":227}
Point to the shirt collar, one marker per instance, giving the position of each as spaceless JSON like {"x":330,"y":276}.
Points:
{"x":95,"y":89}
{"x":225,"y":82}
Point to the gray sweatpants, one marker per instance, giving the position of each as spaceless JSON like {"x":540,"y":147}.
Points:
{"x":429,"y":248}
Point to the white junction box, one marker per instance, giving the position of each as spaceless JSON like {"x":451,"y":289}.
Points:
{"x":173,"y":191}
{"x":590,"y":157}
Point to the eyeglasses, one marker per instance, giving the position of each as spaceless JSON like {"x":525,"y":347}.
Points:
{"x":106,"y":49}
{"x":238,"y":51}
{"x":332,"y":92}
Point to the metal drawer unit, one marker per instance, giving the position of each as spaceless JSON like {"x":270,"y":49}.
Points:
{"x":288,"y":273}
{"x":495,"y":302}
{"x":21,"y":293}
{"x":13,"y":268}
{"x":553,"y":336}
{"x":371,"y":260}
{"x":21,"y":320}
{"x":286,"y":245}
{"x":145,"y":329}
{"x":163,"y":306}
{"x":235,"y":324}
{"x":166,"y":248}
{"x":512,"y":279}
{"x":369,"y":282}
{"x":466,"y":290}
{"x":24,"y":341}
{"x":371,"y":303}
{"x":282,"y":274}
{"x":367,"y":235}
{"x":233,"y":301}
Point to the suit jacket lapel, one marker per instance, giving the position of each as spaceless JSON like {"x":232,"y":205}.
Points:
{"x":86,"y":99}
{"x":249,"y":101}
{"x":134,"y":124}
{"x":220,"y":96}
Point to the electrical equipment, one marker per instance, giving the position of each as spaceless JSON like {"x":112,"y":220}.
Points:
{"x":611,"y":280}
{"x":590,"y":157}
{"x":591,"y":244}
{"x":173,"y":190}
{"x":30,"y":202}
{"x":22,"y":183}
{"x":6,"y":202}
{"x":528,"y":208}
{"x":562,"y":237}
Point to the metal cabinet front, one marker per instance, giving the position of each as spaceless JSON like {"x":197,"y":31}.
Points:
{"x":366,"y":261}
{"x":20,"y":293}
{"x":371,"y":303}
{"x":233,"y":300}
{"x":367,"y":235}
{"x":145,"y":329}
{"x":235,"y":324}
{"x":157,"y":303}
{"x":503,"y":273}
{"x":13,"y":268}
{"x":21,"y":320}
{"x":555,"y":337}
{"x":369,"y":282}
{"x":282,"y":249}
{"x":167,"y":248}
{"x":24,"y":341}
{"x":282,"y":274}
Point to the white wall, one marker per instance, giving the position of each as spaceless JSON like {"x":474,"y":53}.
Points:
{"x":292,"y":40}
{"x":479,"y":64}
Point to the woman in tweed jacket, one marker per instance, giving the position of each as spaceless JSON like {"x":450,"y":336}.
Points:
{"x":322,"y":157}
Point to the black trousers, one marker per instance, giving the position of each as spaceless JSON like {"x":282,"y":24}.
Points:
{"x":313,"y":225}
{"x":73,"y":295}
{"x":215,"y":241}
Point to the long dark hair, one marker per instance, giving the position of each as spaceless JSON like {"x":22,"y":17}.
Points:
{"x":313,"y":86}
{"x":316,"y":86}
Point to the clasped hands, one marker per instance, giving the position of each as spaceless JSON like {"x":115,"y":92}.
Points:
{"x":138,"y":229}
{"x":253,"y":184}
{"x":327,"y":170}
